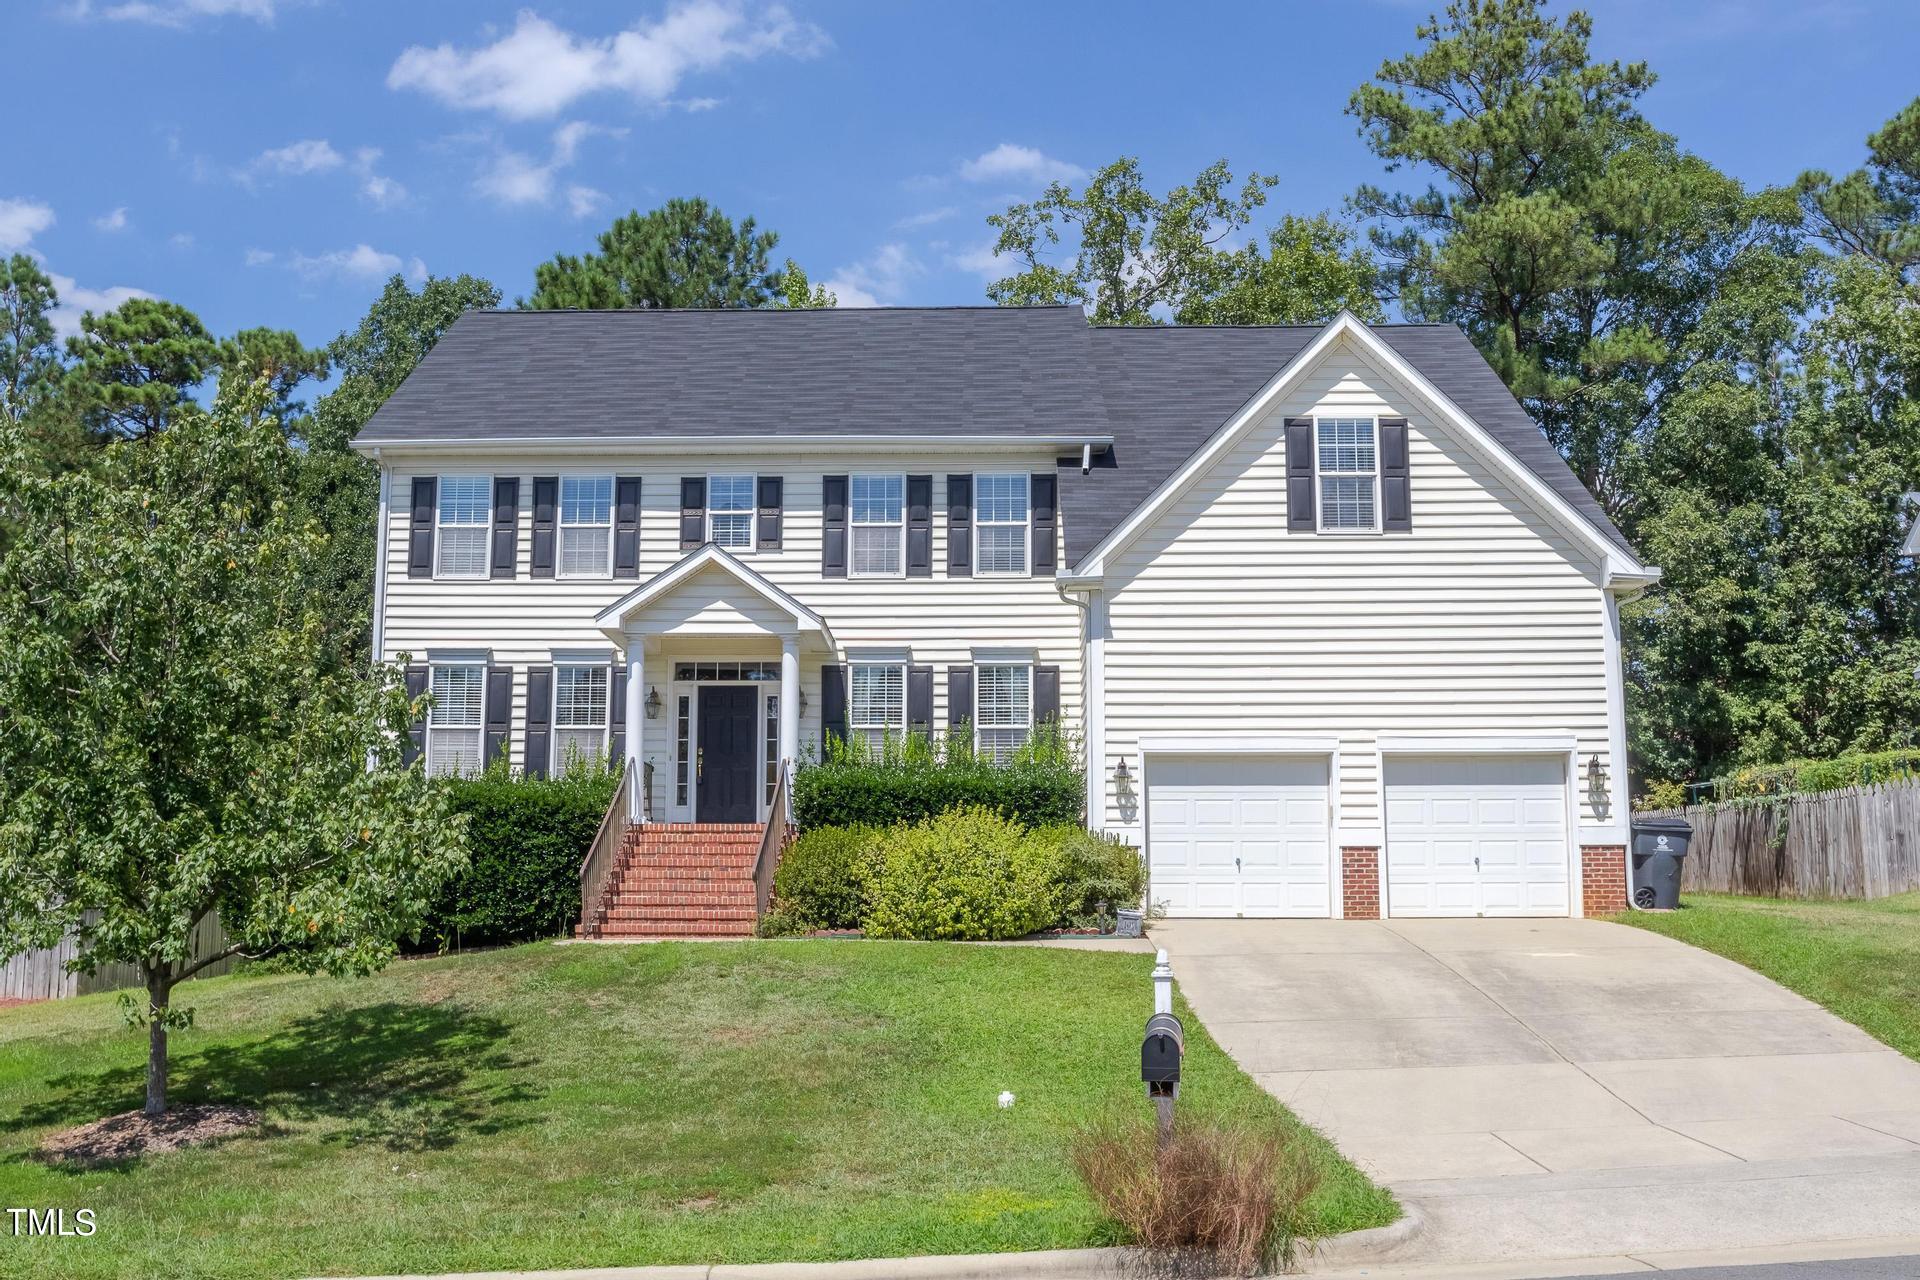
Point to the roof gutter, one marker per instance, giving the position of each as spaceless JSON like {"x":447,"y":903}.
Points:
{"x":914,"y":442}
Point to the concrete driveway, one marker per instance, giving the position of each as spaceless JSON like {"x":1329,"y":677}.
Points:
{"x":1565,"y":1088}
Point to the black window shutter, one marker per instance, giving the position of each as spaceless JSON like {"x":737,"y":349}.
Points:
{"x":1044,"y":494}
{"x":426,"y":496}
{"x":771,"y":491}
{"x":960,"y":527}
{"x":617,"y":715}
{"x":693,"y":512}
{"x":506,"y":525}
{"x":919,"y":699}
{"x":499,"y":713}
{"x":417,"y":731}
{"x":546,"y":498}
{"x":539,"y":743}
{"x":920,"y":530}
{"x":1396,"y":477}
{"x":833,"y":515}
{"x":626,"y":526}
{"x":833,"y":705}
{"x":959,"y":695}
{"x":1300,"y":517}
{"x":1046,"y":694}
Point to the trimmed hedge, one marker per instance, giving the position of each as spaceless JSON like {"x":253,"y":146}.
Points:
{"x":821,"y":882}
{"x":914,"y":779}
{"x":966,"y":875}
{"x":527,"y":836}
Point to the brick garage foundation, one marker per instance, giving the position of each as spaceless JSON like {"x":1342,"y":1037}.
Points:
{"x":1360,"y":882}
{"x":1603,"y":879}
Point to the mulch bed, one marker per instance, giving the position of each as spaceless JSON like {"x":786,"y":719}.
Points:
{"x":133,"y":1134}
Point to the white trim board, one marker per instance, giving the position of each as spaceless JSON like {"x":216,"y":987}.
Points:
{"x":612,"y":620}
{"x":1615,"y":563}
{"x":636,"y":445}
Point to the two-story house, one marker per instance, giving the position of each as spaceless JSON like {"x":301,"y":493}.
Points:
{"x":1336,"y":629}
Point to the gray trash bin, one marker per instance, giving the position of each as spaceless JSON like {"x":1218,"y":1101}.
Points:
{"x":1659,"y":846}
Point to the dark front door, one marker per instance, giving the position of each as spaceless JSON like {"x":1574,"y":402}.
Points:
{"x":728,"y":755}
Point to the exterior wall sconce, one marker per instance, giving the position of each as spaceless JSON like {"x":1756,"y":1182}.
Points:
{"x":1121,"y":774}
{"x":803,"y":703}
{"x":1597,"y":785}
{"x":653,"y":704}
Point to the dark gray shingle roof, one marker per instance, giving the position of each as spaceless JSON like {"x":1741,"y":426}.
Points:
{"x":639,"y":374}
{"x":1161,"y":393}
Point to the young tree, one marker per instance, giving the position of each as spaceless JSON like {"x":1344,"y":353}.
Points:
{"x":137,"y":365}
{"x":174,"y":738}
{"x":797,"y":293}
{"x":1313,"y":269}
{"x":684,"y":254}
{"x":1133,"y":252}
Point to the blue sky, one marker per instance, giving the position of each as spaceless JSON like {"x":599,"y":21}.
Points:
{"x":272,"y":161}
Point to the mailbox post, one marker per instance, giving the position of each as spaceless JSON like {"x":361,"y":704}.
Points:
{"x":1161,"y":1049}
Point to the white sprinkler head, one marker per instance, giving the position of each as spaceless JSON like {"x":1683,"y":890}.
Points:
{"x":1006,"y":1099}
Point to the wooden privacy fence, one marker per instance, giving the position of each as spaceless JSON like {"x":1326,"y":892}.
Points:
{"x":1856,"y":842}
{"x":43,"y":975}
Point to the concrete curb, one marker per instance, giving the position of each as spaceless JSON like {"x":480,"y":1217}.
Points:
{"x":1356,"y":1248}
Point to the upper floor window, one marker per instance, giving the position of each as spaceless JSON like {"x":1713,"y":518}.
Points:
{"x":730,"y":512}
{"x":579,"y":716}
{"x":1000,"y":521}
{"x":879,"y":526}
{"x":1348,"y":474}
{"x":586,"y":526}
{"x":1003,"y":708}
{"x":455,"y":723}
{"x":876,"y":701}
{"x":465,"y":507}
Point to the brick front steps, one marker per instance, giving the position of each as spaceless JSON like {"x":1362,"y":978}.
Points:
{"x":680,"y":880}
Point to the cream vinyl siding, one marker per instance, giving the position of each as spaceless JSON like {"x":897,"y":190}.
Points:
{"x":940,"y":620}
{"x":1486,"y":620}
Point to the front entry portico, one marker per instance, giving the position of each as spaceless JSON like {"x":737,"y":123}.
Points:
{"x":713,"y":652}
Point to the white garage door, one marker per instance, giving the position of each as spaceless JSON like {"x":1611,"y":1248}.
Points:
{"x":1477,"y":836}
{"x":1238,"y":836}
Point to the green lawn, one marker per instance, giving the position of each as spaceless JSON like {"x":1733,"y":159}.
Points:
{"x":1859,"y":959}
{"x":594,"y":1105}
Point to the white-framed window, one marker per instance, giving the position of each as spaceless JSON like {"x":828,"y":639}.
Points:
{"x":683,"y":749}
{"x":771,"y":732}
{"x":1000,"y":518}
{"x":730,"y":512}
{"x":1347,"y":474}
{"x":458,"y":719}
{"x":461,"y":524}
{"x":579,"y":715}
{"x":586,"y":526}
{"x":1002,"y":708}
{"x":878,"y":526}
{"x":876,"y":701}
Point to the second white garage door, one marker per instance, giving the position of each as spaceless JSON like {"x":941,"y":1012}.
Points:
{"x":1238,"y":836}
{"x":1471,"y":836}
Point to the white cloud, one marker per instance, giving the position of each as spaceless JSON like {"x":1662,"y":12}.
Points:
{"x":881,"y":278}
{"x":21,"y":221}
{"x":259,"y":257}
{"x":584,"y":202}
{"x":516,"y":178}
{"x":416,"y":270}
{"x":174,"y":13}
{"x":362,"y":262}
{"x":1012,"y":162}
{"x":381,"y":191}
{"x":75,"y":301}
{"x":926,"y":219}
{"x":692,"y":105}
{"x":181,"y":240}
{"x":985,"y":263}
{"x":539,"y":69}
{"x":116,"y":220}
{"x":296,"y":159}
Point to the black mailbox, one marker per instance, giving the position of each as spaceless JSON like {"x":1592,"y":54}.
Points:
{"x":1160,"y":1052}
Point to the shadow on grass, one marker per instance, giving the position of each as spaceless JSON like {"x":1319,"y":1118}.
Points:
{"x":405,"y":1076}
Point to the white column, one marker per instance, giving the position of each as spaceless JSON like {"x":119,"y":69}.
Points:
{"x":1093,"y":699}
{"x":789,"y":699}
{"x":636,"y":724}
